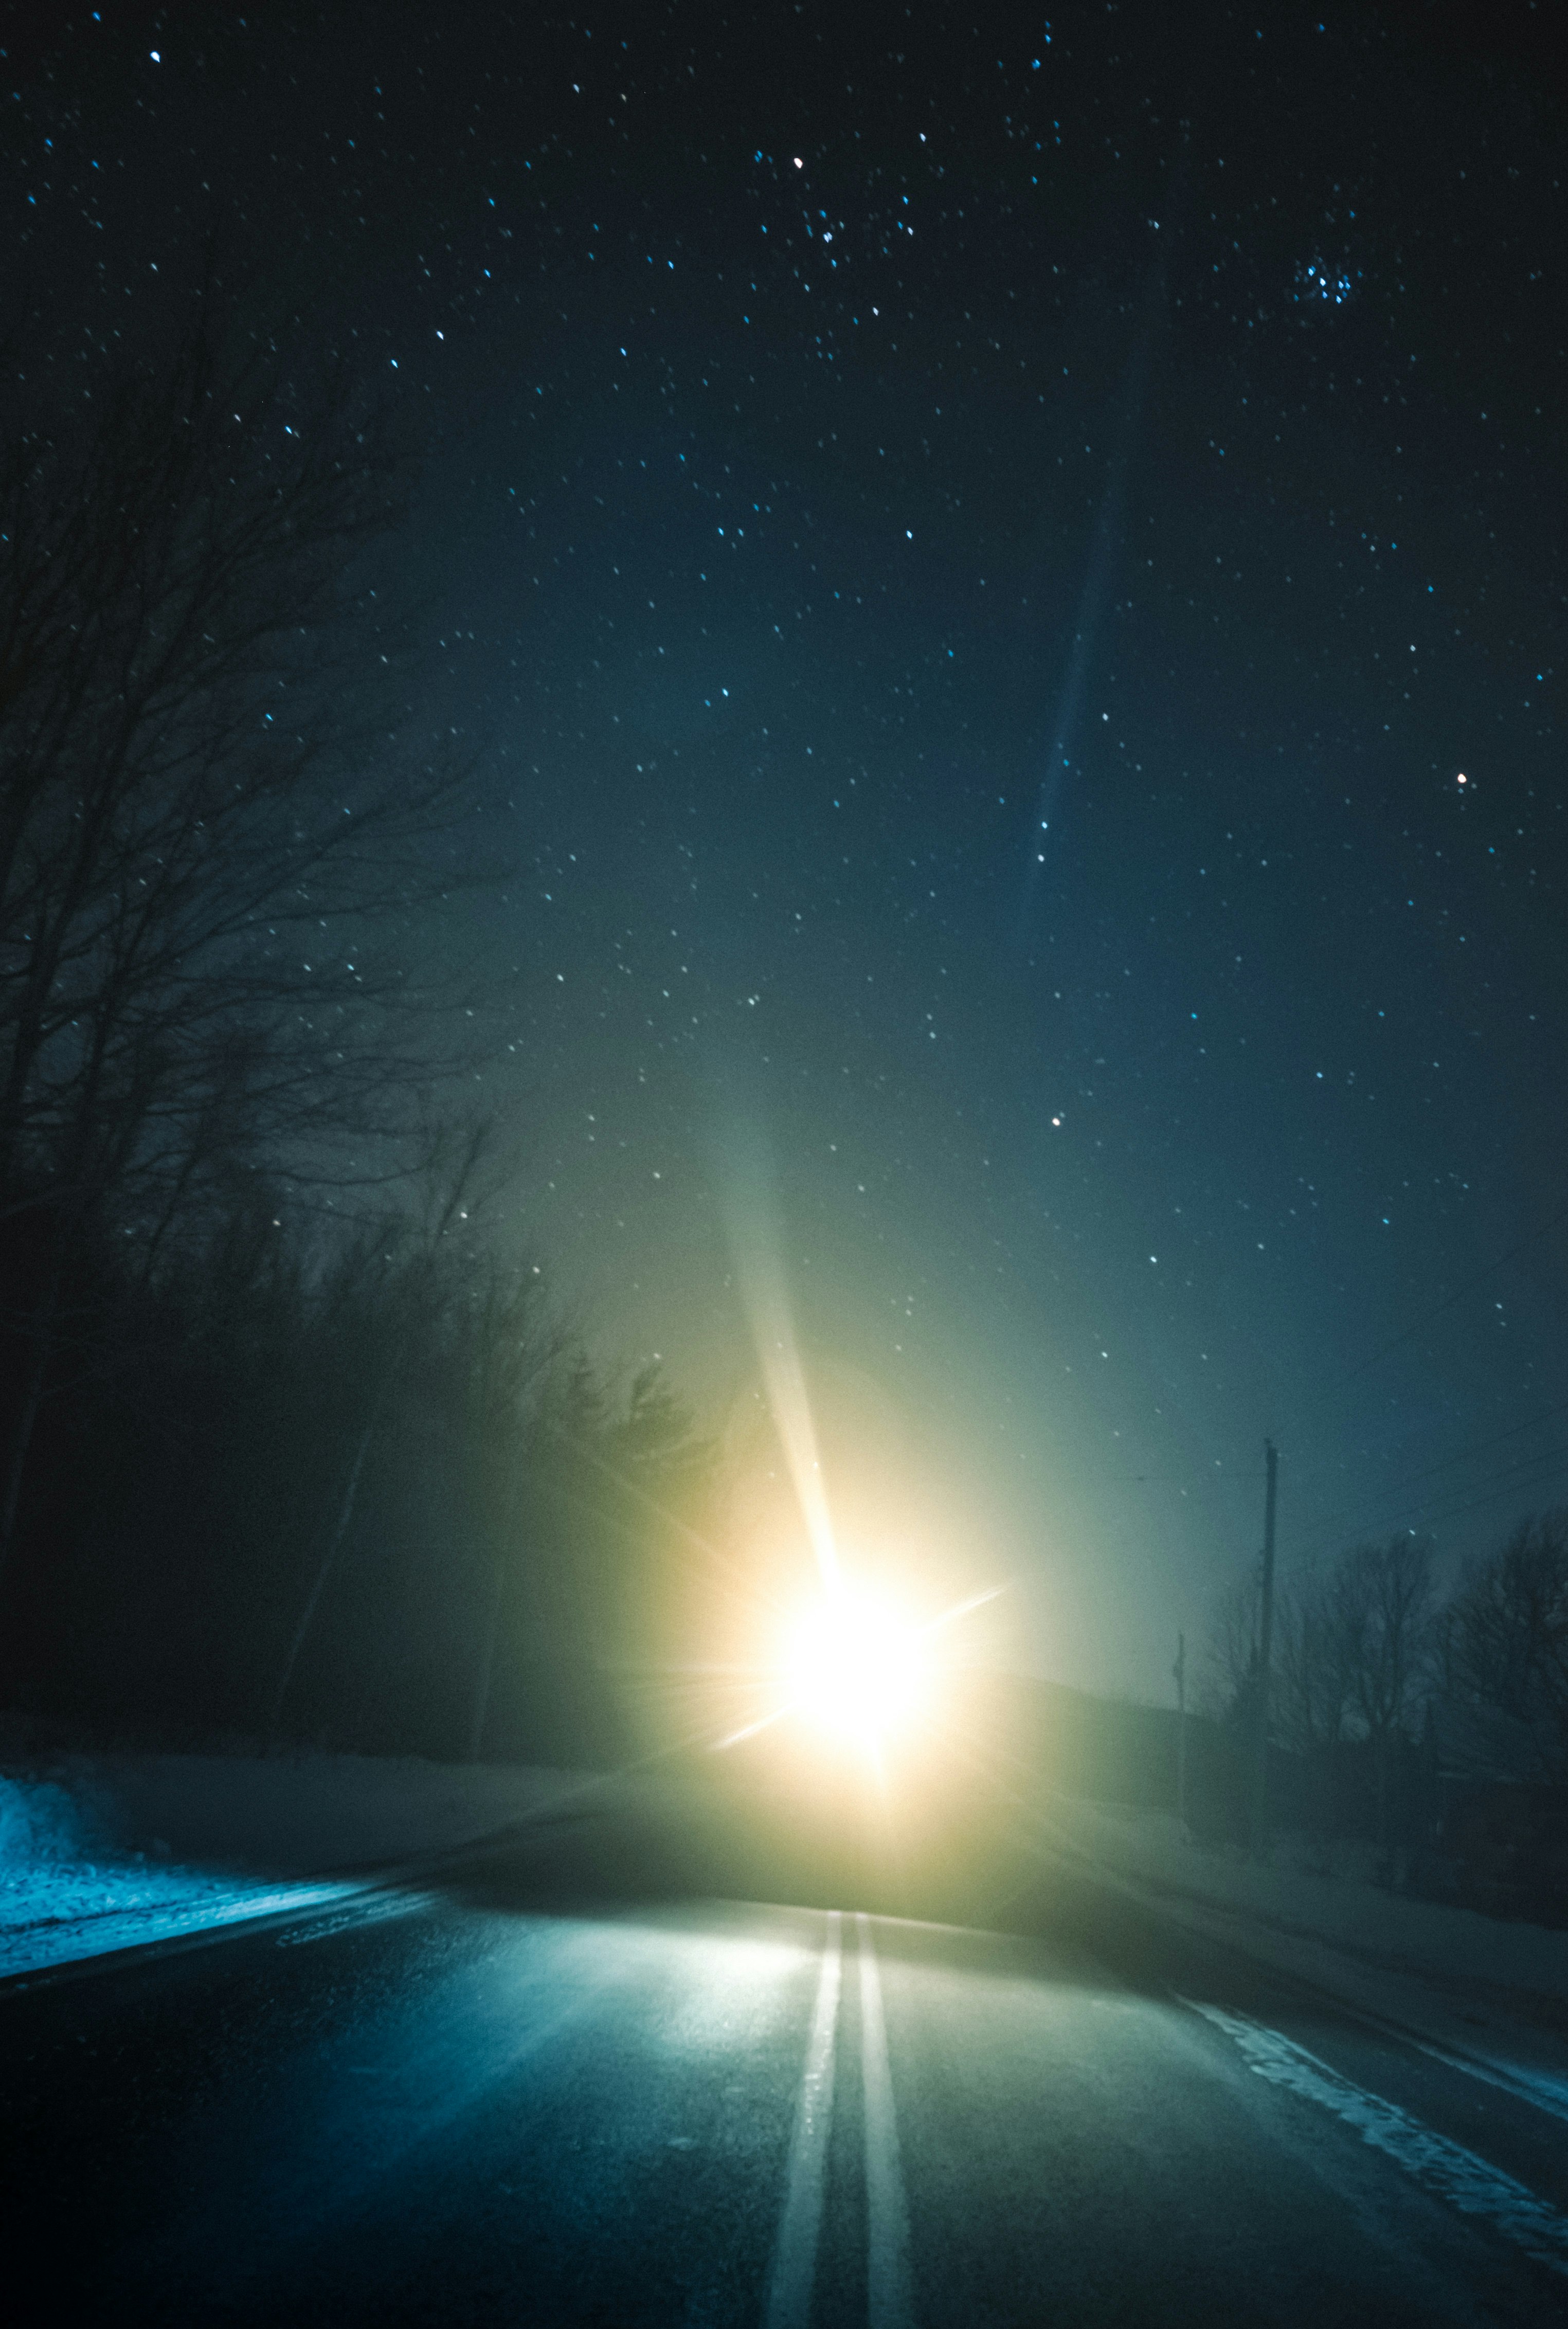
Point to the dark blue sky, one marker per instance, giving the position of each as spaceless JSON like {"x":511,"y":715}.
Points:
{"x":849,"y":444}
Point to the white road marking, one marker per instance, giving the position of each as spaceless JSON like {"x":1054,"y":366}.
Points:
{"x":795,"y":2252}
{"x":1464,"y":2179}
{"x":887,"y":2291}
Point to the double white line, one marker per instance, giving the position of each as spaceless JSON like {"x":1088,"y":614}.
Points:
{"x":888,"y":2293}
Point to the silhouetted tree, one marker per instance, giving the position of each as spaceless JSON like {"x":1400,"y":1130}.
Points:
{"x":211,"y":812}
{"x":1381,"y":1608}
{"x":1313,"y":1684}
{"x":1506,"y":1636}
{"x":1231,"y":1681}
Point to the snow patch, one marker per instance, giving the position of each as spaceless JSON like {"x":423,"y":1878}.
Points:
{"x":1456,"y":2175}
{"x":40,"y":1823}
{"x":1321,"y":1898}
{"x":1483,"y":1996}
{"x":107,"y":1853}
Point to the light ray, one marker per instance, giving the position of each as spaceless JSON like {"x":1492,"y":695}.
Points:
{"x":756,"y":1243}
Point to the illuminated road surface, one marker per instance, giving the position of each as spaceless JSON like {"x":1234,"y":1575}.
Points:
{"x":582,"y":2089}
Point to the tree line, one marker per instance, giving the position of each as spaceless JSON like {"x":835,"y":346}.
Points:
{"x":290,"y":1441}
{"x":362,"y":1490}
{"x":1379,"y":1672}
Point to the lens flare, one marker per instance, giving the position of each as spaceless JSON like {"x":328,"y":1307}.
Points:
{"x":856,"y":1667}
{"x":757,"y":1242}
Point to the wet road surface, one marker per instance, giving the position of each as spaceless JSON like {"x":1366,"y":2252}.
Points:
{"x":600,"y":2077}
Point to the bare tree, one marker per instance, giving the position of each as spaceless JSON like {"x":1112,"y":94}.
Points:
{"x":1507,"y":1637}
{"x":1313,"y":1685}
{"x":507,"y":1350}
{"x":211,"y":815}
{"x":1382,"y":1607}
{"x":475,"y":1327}
{"x":1231,"y":1680}
{"x":1313,"y":1681}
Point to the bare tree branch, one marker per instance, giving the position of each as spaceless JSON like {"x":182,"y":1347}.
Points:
{"x":215,"y":813}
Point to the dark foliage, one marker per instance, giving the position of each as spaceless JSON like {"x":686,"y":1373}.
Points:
{"x":216,"y":811}
{"x":367,"y":1497}
{"x":1439,"y":1728}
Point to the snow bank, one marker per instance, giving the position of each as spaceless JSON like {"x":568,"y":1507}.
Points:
{"x":1321,"y":1918}
{"x":296,"y":1813}
{"x":42,"y":1821}
{"x":105,"y":1851}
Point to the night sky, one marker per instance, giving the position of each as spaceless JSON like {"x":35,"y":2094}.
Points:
{"x":1014,"y":577}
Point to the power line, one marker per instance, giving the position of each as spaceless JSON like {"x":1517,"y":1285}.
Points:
{"x":1445,"y":1463}
{"x":1554,"y":1459}
{"x":1455,"y":1511}
{"x":1458,"y":1295}
{"x":1345,"y":1517}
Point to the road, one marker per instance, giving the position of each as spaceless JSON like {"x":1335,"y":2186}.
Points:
{"x":596,"y":2078}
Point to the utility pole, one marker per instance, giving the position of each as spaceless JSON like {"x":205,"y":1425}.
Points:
{"x":1260,"y":1820}
{"x":1180,"y":1671}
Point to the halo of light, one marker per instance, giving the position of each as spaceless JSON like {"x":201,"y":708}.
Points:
{"x":857,"y":1668}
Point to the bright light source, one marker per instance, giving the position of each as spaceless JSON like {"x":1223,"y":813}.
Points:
{"x":857,"y":1667}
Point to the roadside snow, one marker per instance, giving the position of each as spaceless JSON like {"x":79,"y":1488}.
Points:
{"x":1328,"y":1899}
{"x":105,"y":1851}
{"x":1486,"y":1995}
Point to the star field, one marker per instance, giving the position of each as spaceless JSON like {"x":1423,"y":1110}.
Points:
{"x":1009,"y":580}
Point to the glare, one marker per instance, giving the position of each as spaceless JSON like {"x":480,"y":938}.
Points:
{"x":855,"y":1666}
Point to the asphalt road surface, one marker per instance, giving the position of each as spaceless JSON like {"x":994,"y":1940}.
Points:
{"x":603,"y":2077}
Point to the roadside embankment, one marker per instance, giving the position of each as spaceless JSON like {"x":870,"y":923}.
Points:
{"x":101,"y":1852}
{"x":1493,"y":1991}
